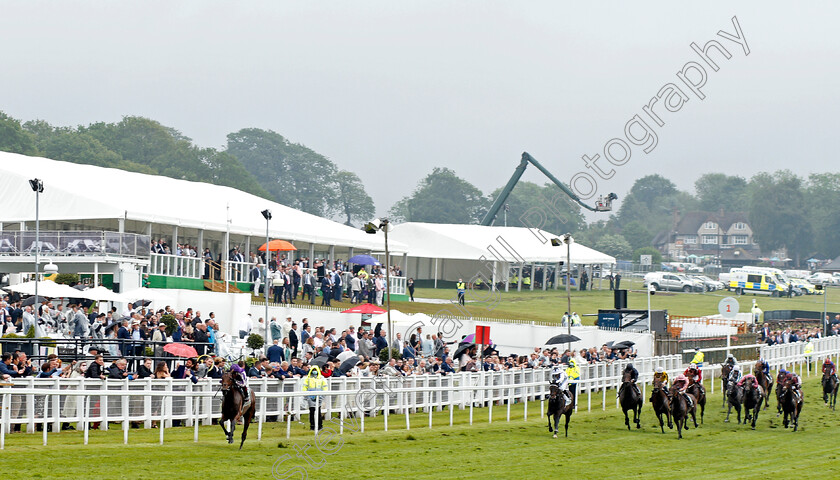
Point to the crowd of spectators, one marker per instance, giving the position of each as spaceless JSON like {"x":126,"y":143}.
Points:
{"x":788,"y":335}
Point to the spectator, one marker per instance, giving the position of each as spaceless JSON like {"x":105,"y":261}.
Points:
{"x":118,"y":370}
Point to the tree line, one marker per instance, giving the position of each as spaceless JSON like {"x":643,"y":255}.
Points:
{"x":784,"y":209}
{"x":261,"y":162}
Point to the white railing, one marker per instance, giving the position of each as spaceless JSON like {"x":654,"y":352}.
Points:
{"x":31,"y":402}
{"x":176,"y":266}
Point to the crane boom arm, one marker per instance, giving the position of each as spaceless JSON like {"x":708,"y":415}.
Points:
{"x":604,"y":204}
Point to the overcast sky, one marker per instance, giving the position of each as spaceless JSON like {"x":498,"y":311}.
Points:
{"x":391,"y":89}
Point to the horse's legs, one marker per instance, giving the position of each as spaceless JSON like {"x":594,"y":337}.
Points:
{"x":637,"y":414}
{"x":232,"y":429}
{"x":626,"y":419}
{"x":248,"y":417}
{"x":549,"y":423}
{"x":755,"y":415}
{"x":568,"y":416}
{"x":702,"y":410}
{"x":222,"y":424}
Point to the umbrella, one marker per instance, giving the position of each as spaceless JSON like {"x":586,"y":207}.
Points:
{"x":562,"y":338}
{"x":363,"y":260}
{"x":141,"y":303}
{"x":461,"y":349}
{"x":319,"y":361}
{"x":278,"y":246}
{"x":367,"y":308}
{"x":622,"y":345}
{"x":348,"y":364}
{"x":180,"y":350}
{"x":346,"y":354}
{"x":100,"y":293}
{"x":471,"y":339}
{"x":33,"y":300}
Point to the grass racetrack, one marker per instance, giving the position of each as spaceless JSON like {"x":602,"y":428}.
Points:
{"x":598,"y":445}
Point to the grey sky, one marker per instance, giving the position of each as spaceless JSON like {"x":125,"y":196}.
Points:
{"x":391,"y":89}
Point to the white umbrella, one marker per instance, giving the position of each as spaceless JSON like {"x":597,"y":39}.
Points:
{"x":143,"y":293}
{"x":47,"y":288}
{"x":102,"y":294}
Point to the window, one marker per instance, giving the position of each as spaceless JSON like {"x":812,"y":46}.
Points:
{"x":690,"y":239}
{"x":754,"y":278}
{"x":710,"y":239}
{"x":739,"y":239}
{"x":710,"y":226}
{"x":740,"y":226}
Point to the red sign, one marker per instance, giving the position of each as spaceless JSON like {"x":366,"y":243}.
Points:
{"x":482,"y":335}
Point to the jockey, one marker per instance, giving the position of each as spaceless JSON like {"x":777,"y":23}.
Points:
{"x":734,"y":375}
{"x":828,"y":368}
{"x":764,"y":367}
{"x":749,"y":378}
{"x":731,"y":361}
{"x":634,"y":375}
{"x":661,"y":375}
{"x":681,"y":383}
{"x":561,"y":379}
{"x":240,"y":379}
{"x":693,"y":373}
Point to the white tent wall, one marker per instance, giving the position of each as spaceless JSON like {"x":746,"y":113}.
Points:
{"x":453,"y":269}
{"x":518,"y":338}
{"x":228,"y":307}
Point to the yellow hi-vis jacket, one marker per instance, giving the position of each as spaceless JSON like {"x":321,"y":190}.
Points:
{"x":573,"y":371}
{"x":698,"y":358}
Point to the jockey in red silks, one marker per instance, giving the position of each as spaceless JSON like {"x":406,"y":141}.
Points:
{"x":828,"y":367}
{"x":694,"y":371}
{"x":749,"y":378}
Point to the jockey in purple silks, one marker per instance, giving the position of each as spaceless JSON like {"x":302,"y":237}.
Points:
{"x":240,"y":378}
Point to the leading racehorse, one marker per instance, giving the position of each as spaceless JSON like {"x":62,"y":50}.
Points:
{"x":232,"y":408}
{"x":780,"y":379}
{"x":829,"y":384}
{"x":661,"y":404}
{"x":630,"y":399}
{"x":557,"y":405}
{"x":680,"y":410}
{"x":791,"y":404}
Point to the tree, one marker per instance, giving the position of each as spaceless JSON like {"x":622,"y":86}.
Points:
{"x":353,"y":202}
{"x":614,"y":245}
{"x":777,"y":213}
{"x":442,"y":197}
{"x":823,"y":193}
{"x":718,"y":190}
{"x":653,"y":252}
{"x":293,"y":174}
{"x":544,"y":207}
{"x":652,"y":201}
{"x":13,"y":138}
{"x":637,"y":234}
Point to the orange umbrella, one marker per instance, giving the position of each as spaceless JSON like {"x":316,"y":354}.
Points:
{"x":278,"y":246}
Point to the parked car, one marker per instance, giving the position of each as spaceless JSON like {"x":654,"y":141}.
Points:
{"x":708,"y":284}
{"x":805,"y":286}
{"x":673,"y":282}
{"x":820,"y":278}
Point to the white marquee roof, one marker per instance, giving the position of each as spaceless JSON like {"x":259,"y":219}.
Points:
{"x":477,"y":242}
{"x":77,"y":192}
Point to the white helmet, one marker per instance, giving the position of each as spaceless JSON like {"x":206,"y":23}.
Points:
{"x":737,"y":368}
{"x":660,"y":370}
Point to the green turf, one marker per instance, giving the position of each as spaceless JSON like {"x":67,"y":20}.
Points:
{"x":549,"y":305}
{"x":598,"y":445}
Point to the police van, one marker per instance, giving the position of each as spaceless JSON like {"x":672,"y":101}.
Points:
{"x":758,"y":280}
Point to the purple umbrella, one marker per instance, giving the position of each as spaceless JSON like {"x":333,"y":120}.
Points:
{"x":471,"y":339}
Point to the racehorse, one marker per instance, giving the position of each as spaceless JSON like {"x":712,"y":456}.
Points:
{"x":780,"y":378}
{"x":557,"y":406}
{"x":680,"y":410}
{"x":725,"y":370}
{"x":232,"y":401}
{"x":661,"y":404}
{"x":630,"y":399}
{"x":753,"y":396}
{"x":697,"y":390}
{"x":735,"y":397}
{"x":829,"y":384}
{"x":791,"y":405}
{"x":765,"y":381}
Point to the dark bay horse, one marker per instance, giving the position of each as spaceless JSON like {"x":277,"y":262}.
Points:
{"x":829,"y":384}
{"x":725,"y":370}
{"x":697,"y":390}
{"x":232,"y":401}
{"x":780,"y":380}
{"x":753,"y":396}
{"x":661,"y":404}
{"x":557,"y":406}
{"x":680,"y":410}
{"x":791,"y":405}
{"x":630,"y":399}
{"x":765,"y":381}
{"x":735,"y":397}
